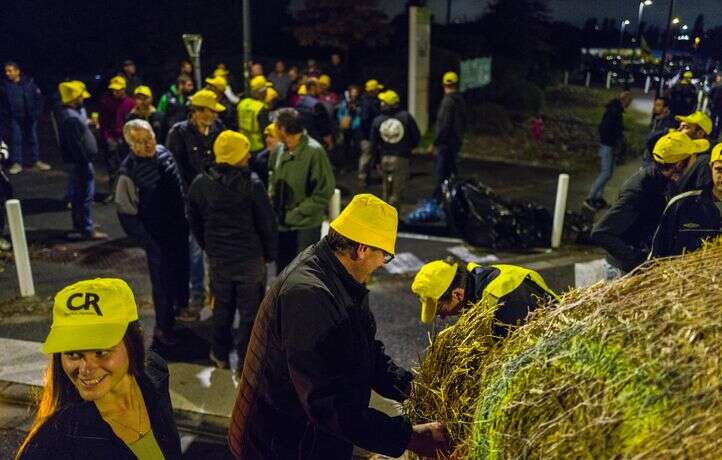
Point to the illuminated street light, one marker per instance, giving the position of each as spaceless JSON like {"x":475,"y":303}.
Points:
{"x":625,"y":23}
{"x":642,"y":4}
{"x":684,"y":27}
{"x":675,"y":21}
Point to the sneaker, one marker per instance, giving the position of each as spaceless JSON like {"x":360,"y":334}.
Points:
{"x":41,"y":166}
{"x":15,"y":169}
{"x":218,"y":362}
{"x":5,"y":245}
{"x":82,"y":236}
{"x":165,"y":338}
{"x":591,"y":205}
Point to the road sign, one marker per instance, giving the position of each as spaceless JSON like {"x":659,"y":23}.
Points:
{"x":475,"y":73}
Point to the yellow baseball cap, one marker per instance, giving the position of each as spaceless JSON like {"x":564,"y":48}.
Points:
{"x":81,"y":84}
{"x":373,"y":85}
{"x":143,"y":90}
{"x":271,"y":95}
{"x":302,"y":91}
{"x":698,"y":118}
{"x":231,"y":147}
{"x":91,"y":315}
{"x":429,"y":285}
{"x":206,"y":98}
{"x":687,"y":75}
{"x":271,"y":130}
{"x":716,"y":154}
{"x":70,"y":90}
{"x":324,"y":80}
{"x":676,"y":146}
{"x":389,"y":97}
{"x":220,"y":72}
{"x":450,"y":78}
{"x":218,"y":82}
{"x":369,"y":220}
{"x":117,"y":82}
{"x":259,"y":82}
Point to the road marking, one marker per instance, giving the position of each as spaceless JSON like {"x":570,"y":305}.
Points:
{"x":440,"y":239}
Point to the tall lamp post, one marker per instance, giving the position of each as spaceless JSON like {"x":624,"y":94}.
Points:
{"x":642,"y":4}
{"x":664,"y":49}
{"x":625,"y":23}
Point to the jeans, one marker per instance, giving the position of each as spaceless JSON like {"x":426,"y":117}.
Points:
{"x":197,"y":270}
{"x":24,"y":129}
{"x":168,"y":267}
{"x":83,"y":177}
{"x":446,"y":159}
{"x":292,"y":242}
{"x":606,"y":159}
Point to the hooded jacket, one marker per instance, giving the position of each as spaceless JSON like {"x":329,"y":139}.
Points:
{"x":395,"y":132}
{"x":310,"y":368}
{"x":231,"y":217}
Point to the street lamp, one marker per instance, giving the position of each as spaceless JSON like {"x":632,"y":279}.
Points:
{"x":642,"y":4}
{"x":625,"y":23}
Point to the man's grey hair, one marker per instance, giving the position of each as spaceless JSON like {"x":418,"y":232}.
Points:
{"x":134,"y":125}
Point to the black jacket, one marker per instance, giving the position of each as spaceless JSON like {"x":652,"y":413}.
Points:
{"x":20,"y":100}
{"x":383,"y":133}
{"x":688,"y":219}
{"x":315,"y":117}
{"x":193,"y":151}
{"x":682,"y":99}
{"x":611,"y":128}
{"x":310,"y":368}
{"x":450,"y":120}
{"x":78,"y":432}
{"x":231,"y":217}
{"x":150,"y":199}
{"x":369,"y":109}
{"x":699,"y":176}
{"x":77,"y":142}
{"x":627,"y":229}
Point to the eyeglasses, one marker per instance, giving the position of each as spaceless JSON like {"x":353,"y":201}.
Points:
{"x":387,"y":257}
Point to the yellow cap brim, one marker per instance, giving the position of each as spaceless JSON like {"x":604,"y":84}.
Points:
{"x":219,"y":108}
{"x":84,"y":337}
{"x":428,"y":309}
{"x":86,"y":95}
{"x":116,"y":87}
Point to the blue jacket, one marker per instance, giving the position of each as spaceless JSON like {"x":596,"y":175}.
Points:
{"x":77,"y":142}
{"x":20,"y":100}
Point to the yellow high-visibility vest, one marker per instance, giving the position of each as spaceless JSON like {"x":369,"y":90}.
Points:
{"x":248,"y":110}
{"x":509,"y":278}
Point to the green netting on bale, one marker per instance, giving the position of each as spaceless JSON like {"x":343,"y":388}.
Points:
{"x":628,"y":369}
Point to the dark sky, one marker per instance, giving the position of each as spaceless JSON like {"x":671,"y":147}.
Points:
{"x":577,"y":11}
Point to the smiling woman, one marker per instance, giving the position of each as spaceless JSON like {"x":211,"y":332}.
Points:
{"x":103,"y":396}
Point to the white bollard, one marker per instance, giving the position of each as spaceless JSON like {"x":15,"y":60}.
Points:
{"x":566,"y":78}
{"x":334,"y":209}
{"x":560,"y":208}
{"x":705,"y":104}
{"x":647,"y":84}
{"x":589,"y":79}
{"x":20,"y":248}
{"x":700,"y":96}
{"x":609,"y":80}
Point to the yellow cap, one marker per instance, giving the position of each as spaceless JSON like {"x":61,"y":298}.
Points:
{"x":369,"y":220}
{"x":81,"y":84}
{"x":698,"y":118}
{"x":389,"y":97}
{"x":450,"y":78}
{"x":231,"y":147}
{"x":324,"y":80}
{"x":143,"y":90}
{"x":220,"y":73}
{"x":302,"y":91}
{"x":259,"y":82}
{"x":91,"y":315}
{"x":117,"y":82}
{"x":70,"y":91}
{"x":206,"y":98}
{"x":429,"y":285}
{"x":271,"y":130}
{"x":271,"y":95}
{"x":716,"y":154}
{"x":373,"y":85}
{"x":218,"y":82}
{"x":687,"y":75}
{"x":676,"y":146}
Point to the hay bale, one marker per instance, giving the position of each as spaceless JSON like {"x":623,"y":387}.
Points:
{"x":628,"y":369}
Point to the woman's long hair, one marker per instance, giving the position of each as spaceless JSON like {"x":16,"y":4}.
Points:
{"x":59,"y":392}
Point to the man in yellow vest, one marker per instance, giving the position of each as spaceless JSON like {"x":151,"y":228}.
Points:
{"x":253,"y":113}
{"x":446,"y":288}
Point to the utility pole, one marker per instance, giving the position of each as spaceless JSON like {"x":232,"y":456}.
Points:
{"x":247,"y":46}
{"x":664,"y":48}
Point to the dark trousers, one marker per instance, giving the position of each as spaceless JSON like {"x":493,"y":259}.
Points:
{"x":23,"y":130}
{"x":83,"y":178}
{"x":169,"y":272}
{"x":242,"y":291}
{"x":446,"y":159}
{"x":115,"y":152}
{"x":6,"y":192}
{"x":291,"y":242}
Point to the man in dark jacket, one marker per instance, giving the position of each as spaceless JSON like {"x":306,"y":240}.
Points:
{"x":314,"y":358}
{"x":692,"y":216}
{"x":369,"y":109}
{"x":450,"y":122}
{"x":20,"y":107}
{"x":232,"y":219}
{"x":78,"y":147}
{"x":627,"y":229}
{"x":144,"y":110}
{"x":174,"y":103}
{"x":662,"y":122}
{"x":130,"y":73}
{"x":683,"y":96}
{"x":315,"y":117}
{"x":697,"y":126}
{"x":394,"y":134}
{"x":191,"y":143}
{"x":151,"y":209}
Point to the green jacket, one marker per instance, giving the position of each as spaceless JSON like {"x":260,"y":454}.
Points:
{"x":301,"y":184}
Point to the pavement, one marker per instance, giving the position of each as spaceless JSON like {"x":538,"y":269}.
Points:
{"x":57,"y":262}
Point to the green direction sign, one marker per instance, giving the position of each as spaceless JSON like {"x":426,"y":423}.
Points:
{"x":475,"y":73}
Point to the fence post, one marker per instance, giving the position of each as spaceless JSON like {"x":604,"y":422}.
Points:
{"x":588,"y":80}
{"x":560,"y":208}
{"x":20,"y":248}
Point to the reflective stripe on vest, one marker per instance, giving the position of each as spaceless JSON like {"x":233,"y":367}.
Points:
{"x":509,"y":278}
{"x":248,"y":110}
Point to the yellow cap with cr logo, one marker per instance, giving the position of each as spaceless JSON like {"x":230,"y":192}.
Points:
{"x":91,"y":315}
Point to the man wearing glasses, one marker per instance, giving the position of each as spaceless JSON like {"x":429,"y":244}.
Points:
{"x":314,"y":358}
